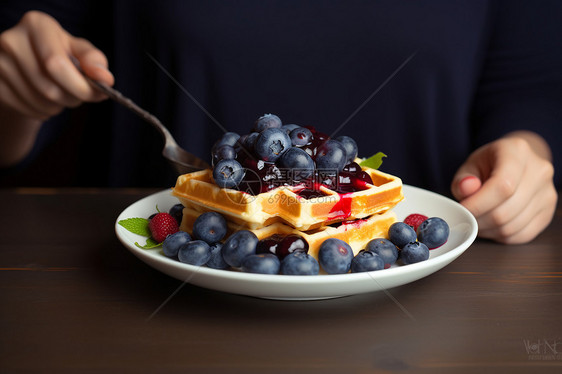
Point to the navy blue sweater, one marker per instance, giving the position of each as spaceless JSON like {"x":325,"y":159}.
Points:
{"x":425,"y":82}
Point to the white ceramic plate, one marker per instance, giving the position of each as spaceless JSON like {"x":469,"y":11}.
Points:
{"x":463,"y":230}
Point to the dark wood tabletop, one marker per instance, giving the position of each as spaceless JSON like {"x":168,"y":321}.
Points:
{"x":75,"y":300}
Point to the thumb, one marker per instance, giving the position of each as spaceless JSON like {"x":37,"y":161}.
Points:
{"x":466,"y":181}
{"x":92,"y":61}
{"x":466,"y":186}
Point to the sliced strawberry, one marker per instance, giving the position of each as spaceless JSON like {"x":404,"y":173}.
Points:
{"x":162,"y":225}
{"x":415,"y":220}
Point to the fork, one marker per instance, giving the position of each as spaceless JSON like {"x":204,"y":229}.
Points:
{"x":180,"y":159}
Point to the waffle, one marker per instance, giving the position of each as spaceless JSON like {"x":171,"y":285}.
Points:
{"x":356,"y":233}
{"x":198,"y":192}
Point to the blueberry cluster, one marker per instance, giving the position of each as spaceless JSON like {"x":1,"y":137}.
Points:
{"x":404,"y":244}
{"x":285,"y":254}
{"x":288,"y":254}
{"x":336,"y":256}
{"x":277,"y":254}
{"x":432,"y":232}
{"x":414,"y":245}
{"x":205,"y":246}
{"x":274,"y":155}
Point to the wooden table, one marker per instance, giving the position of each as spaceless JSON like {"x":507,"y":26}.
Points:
{"x":75,"y":300}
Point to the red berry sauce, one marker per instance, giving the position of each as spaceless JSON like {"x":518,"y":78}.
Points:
{"x":262,"y":176}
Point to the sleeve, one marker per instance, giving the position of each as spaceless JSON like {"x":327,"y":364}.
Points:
{"x":521,"y":81}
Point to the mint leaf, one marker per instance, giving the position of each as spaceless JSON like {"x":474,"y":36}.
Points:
{"x":150,"y":243}
{"x":373,"y":162}
{"x":137,"y":226}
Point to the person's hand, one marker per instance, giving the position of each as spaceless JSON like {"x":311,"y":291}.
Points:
{"x":508,"y":186}
{"x":37,"y":76}
{"x":38,"y":79}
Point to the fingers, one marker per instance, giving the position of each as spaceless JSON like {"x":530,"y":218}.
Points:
{"x":20,"y":70}
{"x":506,"y":164}
{"x":516,"y":199}
{"x":14,"y":90}
{"x":37,"y":76}
{"x":527,"y":224}
{"x":466,"y":185}
{"x":528,"y":211}
{"x":92,"y":61}
{"x":468,"y":178}
{"x":53,"y":48}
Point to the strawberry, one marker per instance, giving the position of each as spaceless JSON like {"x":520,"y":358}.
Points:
{"x":162,"y":225}
{"x":415,"y":220}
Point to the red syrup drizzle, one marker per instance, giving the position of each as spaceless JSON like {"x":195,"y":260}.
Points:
{"x":342,"y":209}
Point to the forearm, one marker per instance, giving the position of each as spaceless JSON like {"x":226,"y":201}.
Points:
{"x":17,"y":136}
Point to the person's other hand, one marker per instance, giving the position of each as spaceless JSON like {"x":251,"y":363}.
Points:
{"x":37,"y":76}
{"x":508,"y":186}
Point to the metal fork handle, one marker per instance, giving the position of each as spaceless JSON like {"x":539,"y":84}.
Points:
{"x":130,"y":104}
{"x":125,"y":101}
{"x":182,"y":160}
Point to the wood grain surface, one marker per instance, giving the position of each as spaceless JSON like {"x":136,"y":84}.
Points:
{"x":73,"y":300}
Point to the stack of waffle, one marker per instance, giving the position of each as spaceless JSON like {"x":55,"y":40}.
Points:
{"x":354,"y":217}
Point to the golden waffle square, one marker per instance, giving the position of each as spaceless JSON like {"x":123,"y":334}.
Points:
{"x":356,"y":233}
{"x":198,"y":191}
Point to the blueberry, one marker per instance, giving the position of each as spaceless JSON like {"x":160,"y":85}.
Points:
{"x":350,"y":147}
{"x":366,"y":261}
{"x":239,"y":245}
{"x":290,"y":127}
{"x":228,"y":173}
{"x":172,"y":244}
{"x":331,"y":155}
{"x":176,"y":211}
{"x":299,"y":164}
{"x":414,"y":252}
{"x":267,"y":121}
{"x":241,"y":140}
{"x":301,"y":136}
{"x":385,"y":249}
{"x":263,"y":263}
{"x":195,"y":252}
{"x":229,"y":138}
{"x":216,"y":261}
{"x":401,"y":234}
{"x":223,"y":152}
{"x":433,"y":232}
{"x":210,"y":227}
{"x":271,"y":143}
{"x":250,"y":140}
{"x":299,"y":263}
{"x":335,"y":256}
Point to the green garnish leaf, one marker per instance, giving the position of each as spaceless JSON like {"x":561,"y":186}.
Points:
{"x":373,"y":162}
{"x":150,"y":243}
{"x":137,"y":226}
